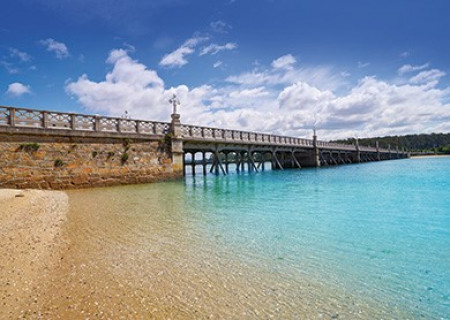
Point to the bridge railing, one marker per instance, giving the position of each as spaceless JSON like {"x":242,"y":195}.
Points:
{"x":29,"y":118}
{"x":214,"y":134}
{"x":41,"y":119}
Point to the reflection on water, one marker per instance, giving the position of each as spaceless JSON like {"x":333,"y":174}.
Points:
{"x":292,"y":244}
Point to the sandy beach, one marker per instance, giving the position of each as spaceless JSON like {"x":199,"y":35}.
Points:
{"x":31,"y":246}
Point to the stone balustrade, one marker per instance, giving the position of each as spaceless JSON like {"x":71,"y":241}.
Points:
{"x":41,"y":119}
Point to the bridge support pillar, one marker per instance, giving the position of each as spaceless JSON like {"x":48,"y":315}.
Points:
{"x":176,"y":145}
{"x":316,"y":151}
{"x":377,"y":144}
{"x":358,"y":153}
{"x":204,"y":163}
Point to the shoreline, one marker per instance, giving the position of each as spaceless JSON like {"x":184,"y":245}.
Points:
{"x":32,"y":244}
{"x":431,"y":156}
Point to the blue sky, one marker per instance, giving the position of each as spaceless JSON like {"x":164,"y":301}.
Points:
{"x":349,"y":68}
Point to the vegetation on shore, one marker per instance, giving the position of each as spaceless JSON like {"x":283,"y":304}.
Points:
{"x":434,"y":142}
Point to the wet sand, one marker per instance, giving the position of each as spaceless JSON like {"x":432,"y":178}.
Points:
{"x":31,"y":248}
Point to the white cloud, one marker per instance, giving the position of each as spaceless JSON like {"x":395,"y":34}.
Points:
{"x":9,"y":67}
{"x":428,"y":77}
{"x":18,"y":89}
{"x":405,"y":54}
{"x":217,"y":64}
{"x":133,"y":87}
{"x":177,"y":58}
{"x":249,"y":93}
{"x":22,"y":56}
{"x":59,"y":48}
{"x":215,"y":48}
{"x":219,"y":26}
{"x":284,"y":62}
{"x":319,"y":76}
{"x":280,"y":101}
{"x":410,"y":68}
{"x":363,"y":64}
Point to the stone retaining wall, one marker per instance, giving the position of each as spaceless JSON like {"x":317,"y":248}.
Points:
{"x":62,"y":162}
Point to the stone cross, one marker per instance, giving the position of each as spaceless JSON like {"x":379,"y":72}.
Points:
{"x":175,"y":102}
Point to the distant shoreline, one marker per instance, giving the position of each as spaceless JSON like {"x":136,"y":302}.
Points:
{"x":431,"y":156}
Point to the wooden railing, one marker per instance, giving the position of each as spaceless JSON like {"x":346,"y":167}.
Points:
{"x":41,"y":119}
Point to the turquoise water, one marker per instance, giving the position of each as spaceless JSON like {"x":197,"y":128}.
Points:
{"x":366,"y":241}
{"x":378,"y":230}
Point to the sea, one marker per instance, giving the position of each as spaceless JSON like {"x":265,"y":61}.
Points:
{"x":358,"y":241}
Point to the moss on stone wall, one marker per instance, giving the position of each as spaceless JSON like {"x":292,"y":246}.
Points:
{"x":68,"y":162}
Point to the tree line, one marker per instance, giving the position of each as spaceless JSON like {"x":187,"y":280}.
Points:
{"x":434,"y":142}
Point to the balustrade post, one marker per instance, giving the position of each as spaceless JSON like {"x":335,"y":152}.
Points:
{"x":118,"y":125}
{"x":12,"y":117}
{"x":44,"y":119}
{"x":138,"y":126}
{"x":96,"y":123}
{"x":72,"y":121}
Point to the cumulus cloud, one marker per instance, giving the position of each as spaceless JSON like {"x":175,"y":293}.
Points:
{"x":215,"y":48}
{"x":18,"y":89}
{"x":59,"y":48}
{"x":288,"y":101}
{"x":133,"y":87}
{"x":284,"y":62}
{"x":177,"y":58}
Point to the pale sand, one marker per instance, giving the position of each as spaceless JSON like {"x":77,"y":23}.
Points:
{"x":31,"y":248}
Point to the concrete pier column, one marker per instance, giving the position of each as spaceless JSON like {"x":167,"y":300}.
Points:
{"x":238,"y":161}
{"x":262,"y":161}
{"x":273,"y":161}
{"x":377,"y":144}
{"x":226,"y":162}
{"x":204,"y":163}
{"x":176,"y":144}
{"x":389,"y":147}
{"x":396,"y":151}
{"x":316,"y":151}
{"x":193,"y":163}
{"x":358,"y":153}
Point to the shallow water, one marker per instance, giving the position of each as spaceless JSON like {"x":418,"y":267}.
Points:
{"x":355,"y":241}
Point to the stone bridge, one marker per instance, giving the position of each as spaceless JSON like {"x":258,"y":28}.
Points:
{"x":188,"y":145}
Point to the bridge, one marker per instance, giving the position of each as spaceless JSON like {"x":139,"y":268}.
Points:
{"x":217,"y":147}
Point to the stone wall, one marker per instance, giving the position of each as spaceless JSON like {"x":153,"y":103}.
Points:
{"x":62,"y":162}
